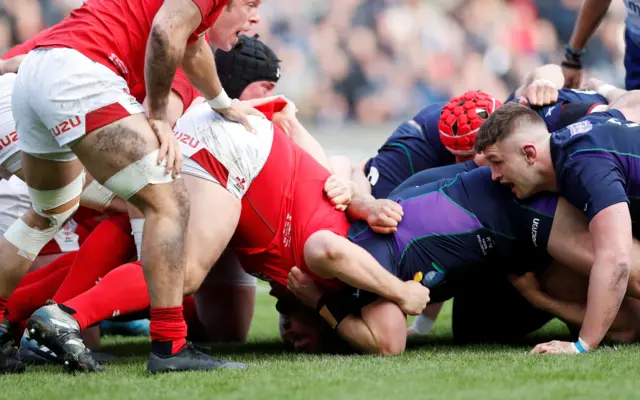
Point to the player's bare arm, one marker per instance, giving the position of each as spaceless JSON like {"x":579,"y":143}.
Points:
{"x":589,"y":17}
{"x":611,"y":234}
{"x":173,"y":24}
{"x":570,"y":312}
{"x":334,"y":257}
{"x":628,"y":103}
{"x":286,"y":119}
{"x":606,"y":90}
{"x":379,"y":329}
{"x":174,"y":107}
{"x":11,"y":65}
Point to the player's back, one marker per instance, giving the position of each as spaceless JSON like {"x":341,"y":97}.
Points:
{"x":572,"y":105}
{"x":112,"y":32}
{"x":601,"y":135}
{"x":464,"y":222}
{"x":284,"y":205}
{"x":414,"y":146}
{"x":264,"y":209}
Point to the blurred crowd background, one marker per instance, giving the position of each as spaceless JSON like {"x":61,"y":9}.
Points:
{"x":383,"y":60}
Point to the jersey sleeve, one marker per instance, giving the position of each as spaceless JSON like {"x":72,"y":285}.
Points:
{"x":210,"y":11}
{"x":206,"y":6}
{"x":592,"y":184}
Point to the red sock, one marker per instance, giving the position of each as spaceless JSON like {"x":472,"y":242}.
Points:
{"x":107,"y":247}
{"x":120,"y":292}
{"x":28,"y":298}
{"x":63,"y":261}
{"x":168,"y":330}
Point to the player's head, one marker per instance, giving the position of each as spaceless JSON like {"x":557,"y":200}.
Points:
{"x":514,"y":140}
{"x":460,"y":120}
{"x":236,"y":18}
{"x":303,"y":330}
{"x":249,"y":71}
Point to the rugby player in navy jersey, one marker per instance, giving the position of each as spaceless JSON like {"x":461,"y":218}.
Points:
{"x":594,"y":165}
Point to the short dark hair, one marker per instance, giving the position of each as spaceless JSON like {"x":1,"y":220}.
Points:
{"x":502,"y":122}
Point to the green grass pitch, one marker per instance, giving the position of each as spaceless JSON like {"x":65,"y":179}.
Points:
{"x":432,"y":369}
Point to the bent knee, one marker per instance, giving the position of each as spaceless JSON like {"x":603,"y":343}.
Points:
{"x":388,"y":325}
{"x":170,"y":200}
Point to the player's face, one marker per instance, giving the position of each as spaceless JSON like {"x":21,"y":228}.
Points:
{"x":301,"y":331}
{"x":236,"y":19}
{"x":509,"y":166}
{"x":258,"y":90}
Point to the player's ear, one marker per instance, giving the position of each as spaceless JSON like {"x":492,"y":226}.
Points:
{"x":530,"y":153}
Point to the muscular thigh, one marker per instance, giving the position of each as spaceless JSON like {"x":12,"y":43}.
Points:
{"x":214,"y":217}
{"x":115,"y":146}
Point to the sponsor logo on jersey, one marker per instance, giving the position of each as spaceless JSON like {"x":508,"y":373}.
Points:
{"x":534,"y":231}
{"x":187,"y":139}
{"x":580,"y":127}
{"x":286,"y":231}
{"x":632,"y":7}
{"x":8,"y":139}
{"x":115,"y":60}
{"x":239,"y":183}
{"x":66,"y":126}
{"x":373,"y":176}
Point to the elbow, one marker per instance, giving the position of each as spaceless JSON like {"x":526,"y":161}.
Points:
{"x":321,"y":251}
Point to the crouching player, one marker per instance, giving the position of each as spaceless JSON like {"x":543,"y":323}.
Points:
{"x":267,"y":187}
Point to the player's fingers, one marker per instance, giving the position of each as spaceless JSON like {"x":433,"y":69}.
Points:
{"x":340,"y":199}
{"x":383,"y":230}
{"x":244,"y":121}
{"x":253,"y":111}
{"x":341,"y":207}
{"x":531,"y":95}
{"x":539,"y":349}
{"x":164,"y":144}
{"x":394,"y":215}
{"x":384,"y":220}
{"x":179,"y":163}
{"x":554,"y":95}
{"x":546,"y":96}
{"x":390,"y":213}
{"x":397,"y":208}
{"x":171,"y":155}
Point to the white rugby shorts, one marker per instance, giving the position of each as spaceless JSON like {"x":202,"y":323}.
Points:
{"x":60,"y":95}
{"x":223,"y":151}
{"x":9,"y":151}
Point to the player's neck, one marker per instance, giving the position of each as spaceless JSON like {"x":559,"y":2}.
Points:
{"x":547,"y":172}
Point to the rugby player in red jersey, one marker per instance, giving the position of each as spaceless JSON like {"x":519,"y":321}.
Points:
{"x":87,"y":65}
{"x":272,"y":191}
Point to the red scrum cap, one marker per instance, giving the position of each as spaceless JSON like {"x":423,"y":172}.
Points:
{"x":461,"y":118}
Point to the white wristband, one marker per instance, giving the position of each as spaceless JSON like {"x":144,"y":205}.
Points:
{"x":605,"y":89}
{"x":221,"y":101}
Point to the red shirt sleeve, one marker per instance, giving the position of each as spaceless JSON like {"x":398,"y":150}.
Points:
{"x":210,"y":11}
{"x":184,"y":89}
